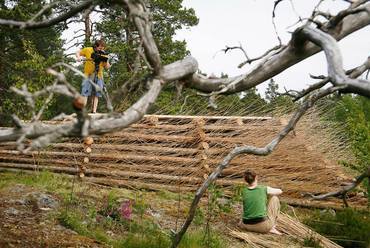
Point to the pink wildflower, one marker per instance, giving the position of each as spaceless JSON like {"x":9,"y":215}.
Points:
{"x":126,"y":209}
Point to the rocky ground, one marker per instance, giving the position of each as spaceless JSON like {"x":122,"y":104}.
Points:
{"x":26,"y":220}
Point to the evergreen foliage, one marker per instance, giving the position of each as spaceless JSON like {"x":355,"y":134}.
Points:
{"x":24,"y":56}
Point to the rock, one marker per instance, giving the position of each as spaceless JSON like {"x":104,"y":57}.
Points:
{"x":44,"y":201}
{"x":11,"y":211}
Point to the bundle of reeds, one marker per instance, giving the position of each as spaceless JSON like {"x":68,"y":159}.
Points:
{"x":293,"y":232}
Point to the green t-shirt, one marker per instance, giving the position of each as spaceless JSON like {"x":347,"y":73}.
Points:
{"x":254,"y":202}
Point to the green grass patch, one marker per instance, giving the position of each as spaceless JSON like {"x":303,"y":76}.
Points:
{"x":348,"y":228}
{"x":43,"y":179}
{"x":311,"y":241}
{"x":200,"y":238}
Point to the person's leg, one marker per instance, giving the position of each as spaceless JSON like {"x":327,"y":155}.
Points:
{"x":273,"y":210}
{"x":262,"y":227}
{"x":98,"y":93}
{"x":94,"y":103}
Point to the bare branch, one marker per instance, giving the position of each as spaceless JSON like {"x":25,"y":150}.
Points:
{"x":45,"y":8}
{"x":350,"y":11}
{"x":140,"y":17}
{"x":275,"y":5}
{"x":290,"y":93}
{"x":334,"y":60}
{"x":311,"y":88}
{"x":327,"y":16}
{"x":343,"y":192}
{"x":47,"y":101}
{"x":236,"y":47}
{"x":212,"y":102}
{"x":273,"y":20}
{"x":17,"y":122}
{"x":275,"y":49}
{"x":295,"y":11}
{"x":352,"y":73}
{"x":289,"y":55}
{"x":47,"y":23}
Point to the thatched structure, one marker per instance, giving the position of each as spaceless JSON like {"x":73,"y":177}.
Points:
{"x":177,"y":152}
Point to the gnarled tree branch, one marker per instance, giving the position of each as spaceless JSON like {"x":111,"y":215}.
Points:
{"x":50,"y":22}
{"x":335,"y":65}
{"x":343,"y":192}
{"x":289,"y":55}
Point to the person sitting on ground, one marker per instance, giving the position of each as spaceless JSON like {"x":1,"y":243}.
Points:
{"x":93,"y":54}
{"x":257,"y":215}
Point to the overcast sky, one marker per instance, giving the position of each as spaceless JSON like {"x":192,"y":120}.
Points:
{"x":249,"y":23}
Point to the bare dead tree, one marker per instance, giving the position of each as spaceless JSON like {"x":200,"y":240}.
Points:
{"x":306,"y":41}
{"x":342,"y":193}
{"x":88,"y":24}
{"x":353,"y":73}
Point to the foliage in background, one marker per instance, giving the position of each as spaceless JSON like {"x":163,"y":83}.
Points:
{"x":278,"y":104}
{"x":353,"y":113}
{"x":24,"y":55}
{"x":189,"y":102}
{"x":348,"y":228}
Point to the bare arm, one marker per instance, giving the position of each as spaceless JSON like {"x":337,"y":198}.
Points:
{"x":78,"y":56}
{"x":107,"y":65}
{"x":273,"y":191}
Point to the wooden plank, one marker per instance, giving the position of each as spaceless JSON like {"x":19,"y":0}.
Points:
{"x":232,"y":173}
{"x":110,"y":173}
{"x":289,"y":189}
{"x":139,"y":137}
{"x":107,"y":156}
{"x":131,"y":184}
{"x":212,"y":127}
{"x":151,"y":148}
{"x":209,"y":117}
{"x":171,"y":170}
{"x":153,"y":158}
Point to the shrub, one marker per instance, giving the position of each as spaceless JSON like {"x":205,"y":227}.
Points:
{"x":348,"y":228}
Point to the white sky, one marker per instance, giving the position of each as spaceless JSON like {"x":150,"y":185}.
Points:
{"x":249,"y":23}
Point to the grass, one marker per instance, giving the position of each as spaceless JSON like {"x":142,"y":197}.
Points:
{"x":311,"y":241}
{"x":144,"y":234}
{"x":348,"y":228}
{"x":200,"y":238}
{"x":45,"y":180}
{"x":93,"y":212}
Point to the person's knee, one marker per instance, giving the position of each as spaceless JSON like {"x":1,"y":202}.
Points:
{"x":275,"y":199}
{"x":241,"y":225}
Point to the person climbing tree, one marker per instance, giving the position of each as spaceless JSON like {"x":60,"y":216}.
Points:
{"x":96,"y":60}
{"x":257,"y":215}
